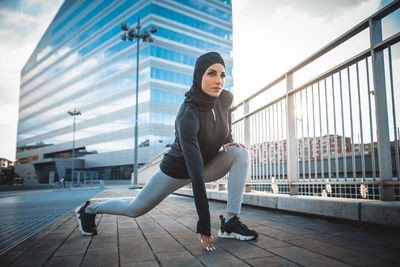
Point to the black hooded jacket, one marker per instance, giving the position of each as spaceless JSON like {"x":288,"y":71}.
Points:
{"x":202,"y":126}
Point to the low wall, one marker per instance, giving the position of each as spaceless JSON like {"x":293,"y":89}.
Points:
{"x":368,"y":211}
{"x":359,"y":210}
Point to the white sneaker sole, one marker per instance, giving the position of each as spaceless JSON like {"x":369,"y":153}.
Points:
{"x":79,"y":222}
{"x":234,"y":235}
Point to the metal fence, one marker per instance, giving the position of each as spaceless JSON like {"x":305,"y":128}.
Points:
{"x":336,"y":135}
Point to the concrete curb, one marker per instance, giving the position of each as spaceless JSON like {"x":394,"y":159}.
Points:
{"x":368,"y":211}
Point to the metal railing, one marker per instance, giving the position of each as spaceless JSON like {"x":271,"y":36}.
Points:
{"x":336,"y":135}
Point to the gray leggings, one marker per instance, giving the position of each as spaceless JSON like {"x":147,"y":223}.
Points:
{"x":235,"y":160}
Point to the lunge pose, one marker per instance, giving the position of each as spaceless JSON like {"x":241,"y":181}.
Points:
{"x":202,"y":128}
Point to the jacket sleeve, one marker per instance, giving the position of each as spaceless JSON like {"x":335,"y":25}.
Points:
{"x":187,"y":127}
{"x":229,"y":138}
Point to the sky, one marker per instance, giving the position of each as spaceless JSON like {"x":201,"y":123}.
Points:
{"x":269,"y":37}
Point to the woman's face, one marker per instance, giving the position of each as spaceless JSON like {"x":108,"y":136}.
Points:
{"x":213,"y":80}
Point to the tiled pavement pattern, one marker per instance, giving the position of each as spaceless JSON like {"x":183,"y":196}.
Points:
{"x":23,"y":213}
{"x":166,"y":237}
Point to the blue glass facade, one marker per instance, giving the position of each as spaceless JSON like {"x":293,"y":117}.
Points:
{"x":81,"y":63}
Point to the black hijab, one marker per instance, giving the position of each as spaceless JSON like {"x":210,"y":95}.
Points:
{"x":195,"y":95}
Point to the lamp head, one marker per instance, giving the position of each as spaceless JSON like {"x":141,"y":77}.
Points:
{"x":125,"y":26}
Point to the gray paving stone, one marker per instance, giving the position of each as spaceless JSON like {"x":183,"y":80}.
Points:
{"x":166,"y":236}
{"x":220,"y":257}
{"x":71,"y":260}
{"x":271,"y":261}
{"x":305,"y":257}
{"x":99,"y":241}
{"x":242,"y":249}
{"x":373,"y":249}
{"x":38,"y":254}
{"x":34,"y":211}
{"x":278,"y":234}
{"x":131,"y":232}
{"x":101,"y":256}
{"x":268,"y":242}
{"x":183,"y":258}
{"x":134,"y":256}
{"x":10,"y":256}
{"x":140,"y":264}
{"x":339,"y":253}
{"x":76,"y":244}
{"x":395,"y":258}
{"x":164,"y":244}
{"x":134,"y":243}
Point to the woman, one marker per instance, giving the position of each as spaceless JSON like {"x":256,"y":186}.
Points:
{"x":202,"y":127}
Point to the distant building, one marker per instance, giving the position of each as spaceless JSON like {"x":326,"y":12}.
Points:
{"x":81,"y":62}
{"x":5,"y":163}
{"x":307,"y":148}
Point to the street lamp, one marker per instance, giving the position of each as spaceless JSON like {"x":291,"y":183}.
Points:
{"x":130,"y":34}
{"x":74,"y":114}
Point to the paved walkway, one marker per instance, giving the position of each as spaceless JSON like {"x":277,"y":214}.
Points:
{"x":23,"y":213}
{"x":166,"y":237}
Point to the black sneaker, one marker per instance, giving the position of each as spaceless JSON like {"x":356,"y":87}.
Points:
{"x":86,"y":222}
{"x":235,"y":229}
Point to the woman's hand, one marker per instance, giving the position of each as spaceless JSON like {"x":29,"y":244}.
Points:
{"x":233,"y":144}
{"x":206,"y":241}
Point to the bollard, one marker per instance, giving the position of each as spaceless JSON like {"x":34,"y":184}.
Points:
{"x":101,"y":182}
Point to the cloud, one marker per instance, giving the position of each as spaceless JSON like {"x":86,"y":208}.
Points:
{"x":270,"y":37}
{"x":326,"y":9}
{"x":22,"y":23}
{"x":21,"y":27}
{"x":8,"y":130}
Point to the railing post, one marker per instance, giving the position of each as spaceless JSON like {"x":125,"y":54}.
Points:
{"x":292,"y":171}
{"x":381,"y":111}
{"x":246,"y":132}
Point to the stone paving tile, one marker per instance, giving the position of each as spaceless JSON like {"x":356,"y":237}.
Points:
{"x":140,"y":264}
{"x":278,"y":234}
{"x":164,"y":244}
{"x":305,"y":257}
{"x":129,"y":257}
{"x":22,"y":214}
{"x":67,"y":260}
{"x":267,"y":242}
{"x":10,"y":257}
{"x":271,"y":261}
{"x":339,"y":253}
{"x":221,"y":258}
{"x":74,"y":245}
{"x":183,"y":258}
{"x":135,"y":250}
{"x":38,"y":254}
{"x":166,"y":237}
{"x":132,"y":233}
{"x":101,"y":256}
{"x":395,"y":258}
{"x":243,"y":250}
{"x":218,"y":257}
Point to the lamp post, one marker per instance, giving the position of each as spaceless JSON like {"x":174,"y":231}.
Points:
{"x":130,"y":34}
{"x":73,"y":114}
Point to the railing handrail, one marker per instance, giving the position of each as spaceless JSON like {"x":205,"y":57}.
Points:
{"x":335,"y":43}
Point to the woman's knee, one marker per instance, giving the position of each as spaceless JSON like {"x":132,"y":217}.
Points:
{"x":136,"y":209}
{"x":241,"y":154}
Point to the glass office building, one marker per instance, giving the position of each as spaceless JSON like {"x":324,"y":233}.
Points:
{"x":81,"y":63}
